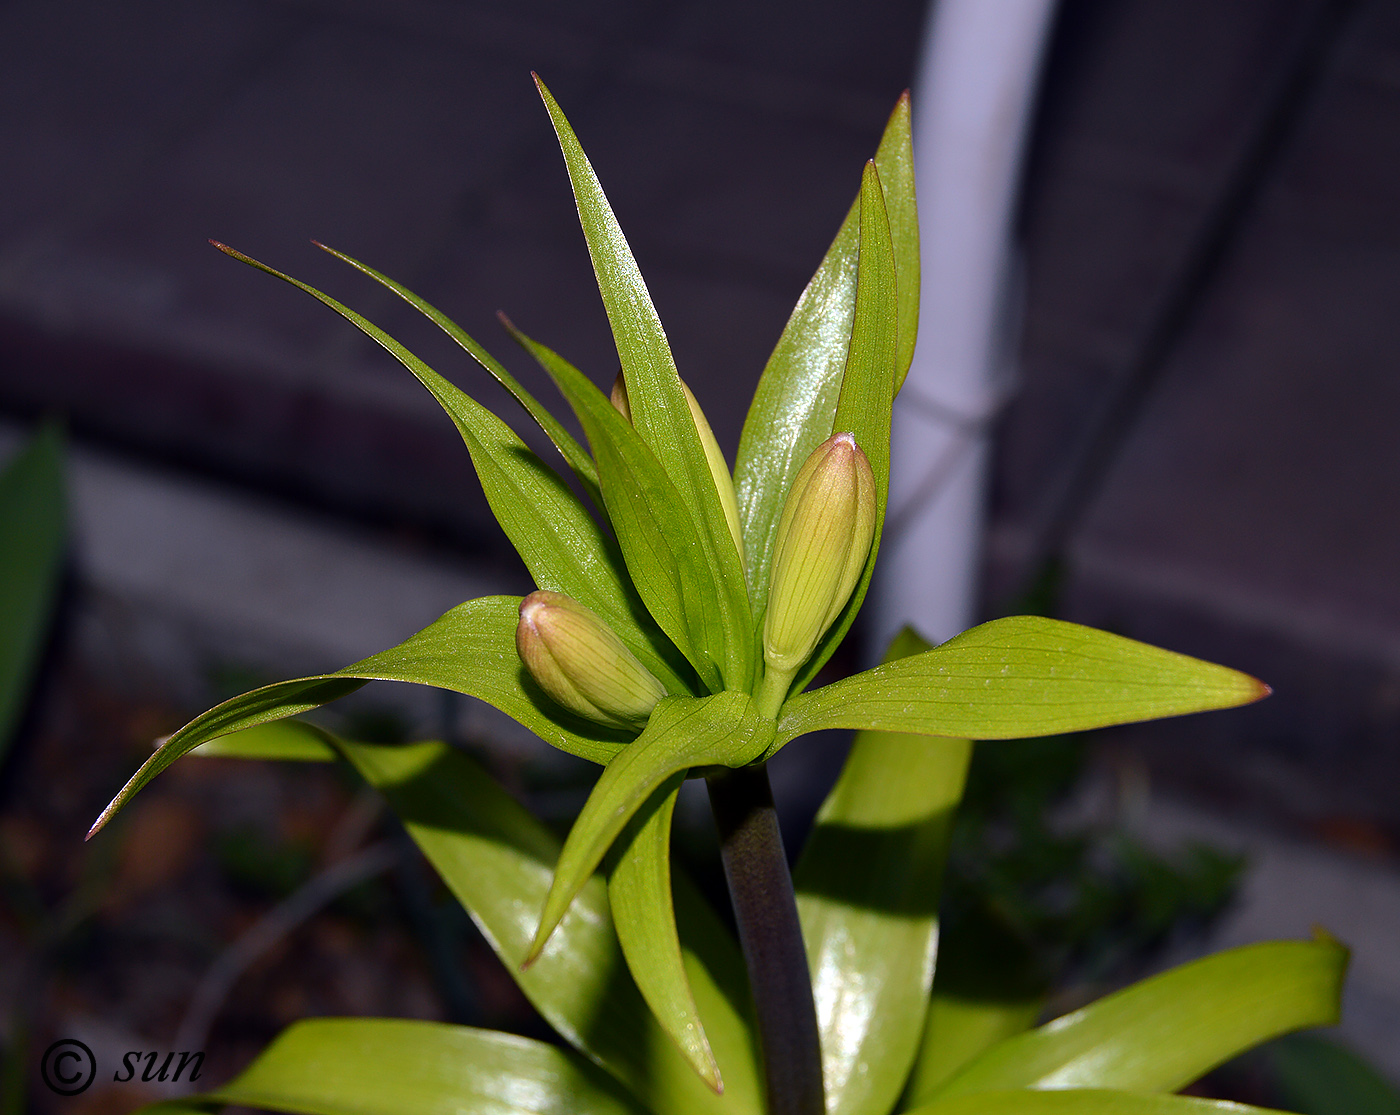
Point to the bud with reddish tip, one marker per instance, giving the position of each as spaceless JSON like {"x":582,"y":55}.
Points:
{"x":719,"y":470}
{"x":824,"y":537}
{"x":581,"y":663}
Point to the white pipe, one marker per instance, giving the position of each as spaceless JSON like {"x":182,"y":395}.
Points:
{"x":972,"y":108}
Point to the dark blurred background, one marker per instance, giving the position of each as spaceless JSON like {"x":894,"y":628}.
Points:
{"x":1199,"y":450}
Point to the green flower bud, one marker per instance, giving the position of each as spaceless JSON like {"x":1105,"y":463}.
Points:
{"x":823,"y":540}
{"x":719,"y":470}
{"x":581,"y":663}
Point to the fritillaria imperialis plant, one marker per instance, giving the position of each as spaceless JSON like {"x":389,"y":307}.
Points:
{"x":674,"y":633}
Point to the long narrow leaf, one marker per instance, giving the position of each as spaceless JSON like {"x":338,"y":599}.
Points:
{"x":658,"y":537}
{"x":469,"y":650}
{"x":561,"y":545}
{"x":867,"y":387}
{"x":1162,"y":1033}
{"x":639,"y":892}
{"x":397,"y":1066}
{"x":1017,"y":677}
{"x":573,"y":453}
{"x":498,"y":861}
{"x":659,"y":409}
{"x":720,"y":730}
{"x":32,"y":524}
{"x":793,"y":408}
{"x":867,"y":892}
{"x":1083,"y":1101}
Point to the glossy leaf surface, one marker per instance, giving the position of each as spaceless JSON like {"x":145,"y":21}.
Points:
{"x":658,"y":537}
{"x":578,"y":460}
{"x":868,"y":885}
{"x":559,"y":542}
{"x":639,"y":893}
{"x":498,"y":861}
{"x":1082,"y":1102}
{"x":1164,"y":1032}
{"x":1017,"y":677}
{"x":660,"y":413}
{"x":396,"y":1066}
{"x":469,"y":650}
{"x":867,"y":388}
{"x":795,"y":402}
{"x":720,"y":730}
{"x":33,"y":513}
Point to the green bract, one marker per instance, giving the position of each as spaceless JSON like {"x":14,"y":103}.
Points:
{"x":655,"y":669}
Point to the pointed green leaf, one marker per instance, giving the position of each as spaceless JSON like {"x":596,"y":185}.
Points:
{"x":33,"y":513}
{"x":1162,"y":1033}
{"x":498,"y":861}
{"x":867,"y":892}
{"x":720,"y":730}
{"x":639,"y":893}
{"x":795,"y":404}
{"x":573,"y":453}
{"x":658,"y":537}
{"x":1084,"y":1101}
{"x":989,"y":986}
{"x":469,"y":650}
{"x":398,"y":1066}
{"x":561,"y":545}
{"x":867,"y":388}
{"x":1017,"y":677}
{"x":660,"y":412}
{"x":284,"y":740}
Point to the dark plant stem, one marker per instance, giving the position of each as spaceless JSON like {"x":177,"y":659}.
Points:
{"x":760,"y":886}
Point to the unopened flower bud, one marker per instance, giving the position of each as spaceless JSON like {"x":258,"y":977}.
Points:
{"x":719,"y":470}
{"x":581,"y":663}
{"x":823,"y":540}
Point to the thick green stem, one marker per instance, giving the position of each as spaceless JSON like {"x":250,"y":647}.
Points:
{"x":760,"y":886}
{"x":772,"y":691}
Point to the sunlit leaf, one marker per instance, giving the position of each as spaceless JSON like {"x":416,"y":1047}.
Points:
{"x":1017,"y":677}
{"x":795,"y":403}
{"x":573,"y":453}
{"x":561,"y":545}
{"x":33,"y":510}
{"x":658,"y":537}
{"x":867,"y":388}
{"x":867,"y":885}
{"x":399,"y":1066}
{"x":720,"y":730}
{"x":469,"y":650}
{"x":1162,"y":1033}
{"x":1082,"y":1102}
{"x":639,"y":892}
{"x":498,"y":861}
{"x":659,"y":409}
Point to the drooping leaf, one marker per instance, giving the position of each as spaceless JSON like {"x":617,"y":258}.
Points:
{"x":573,"y":453}
{"x":283,"y":740}
{"x":867,"y":886}
{"x":795,"y":403}
{"x":400,"y":1066}
{"x":1018,"y":677}
{"x":1164,"y":1032}
{"x":1083,"y":1101}
{"x":498,"y":861}
{"x":660,"y":413}
{"x":989,"y":985}
{"x":561,"y":545}
{"x":470,"y":650}
{"x":639,"y":893}
{"x":720,"y":730}
{"x":659,"y":539}
{"x":867,"y":388}
{"x":33,"y":513}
